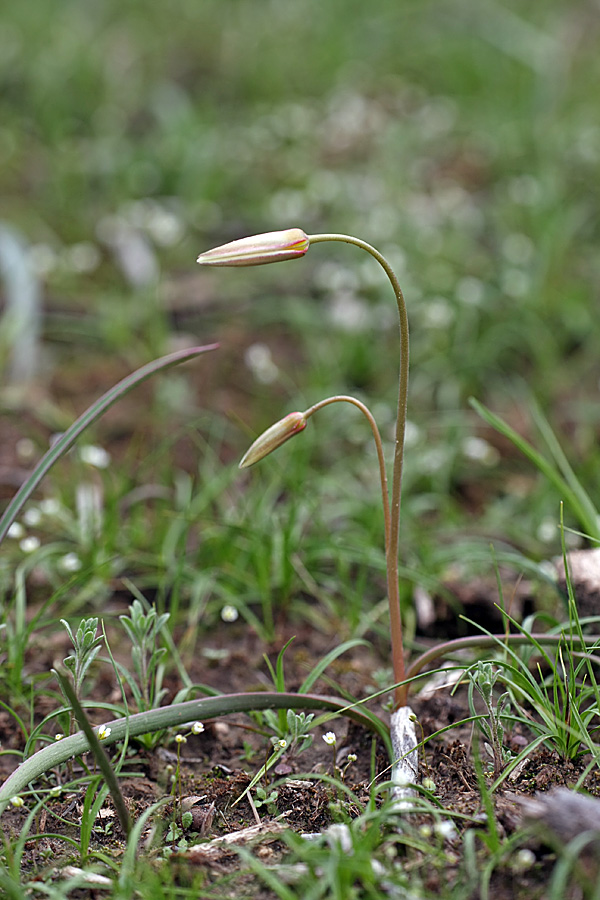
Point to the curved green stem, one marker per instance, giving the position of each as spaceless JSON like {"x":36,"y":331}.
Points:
{"x":346,"y":398}
{"x":174,"y":716}
{"x":393,"y":544}
{"x":491,"y":640}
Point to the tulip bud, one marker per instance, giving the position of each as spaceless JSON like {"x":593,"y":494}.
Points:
{"x":273,"y":246}
{"x":273,"y":438}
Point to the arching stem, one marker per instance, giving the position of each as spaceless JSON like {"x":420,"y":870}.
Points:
{"x":483,"y":641}
{"x":392,"y":545}
{"x":346,"y":398}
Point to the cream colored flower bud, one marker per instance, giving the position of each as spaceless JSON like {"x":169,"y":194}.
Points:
{"x":274,"y":246}
{"x":273,"y":438}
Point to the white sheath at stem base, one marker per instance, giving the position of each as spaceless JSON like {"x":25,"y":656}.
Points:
{"x":405,"y":768}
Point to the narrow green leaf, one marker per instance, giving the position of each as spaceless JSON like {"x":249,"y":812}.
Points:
{"x":280,"y":676}
{"x":175,"y":716}
{"x":564,"y":489}
{"x":94,"y":412}
{"x":100,"y":755}
{"x":327,"y":660}
{"x":560,"y":458}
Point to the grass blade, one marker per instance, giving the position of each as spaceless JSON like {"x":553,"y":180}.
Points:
{"x":97,"y":409}
{"x":567,"y":493}
{"x":327,"y":660}
{"x":174,"y":716}
{"x":564,"y":465}
{"x":99,"y":752}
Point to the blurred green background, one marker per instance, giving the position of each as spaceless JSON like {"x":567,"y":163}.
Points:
{"x":461,"y":137}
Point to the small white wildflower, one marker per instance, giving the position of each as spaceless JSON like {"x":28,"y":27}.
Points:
{"x":32,"y":516}
{"x":446,"y":829}
{"x":518,"y":248}
{"x":412,"y":434}
{"x":433,"y":460}
{"x":180,"y":739}
{"x":25,"y":450}
{"x":30,"y":544}
{"x":95,"y":456}
{"x":70,"y":562}
{"x":547,"y":530}
{"x":58,"y":736}
{"x":164,"y":226}
{"x":330,"y":738}
{"x":90,"y":510}
{"x":82,"y":257}
{"x":17,"y":802}
{"x":478,"y":450}
{"x":197,"y":728}
{"x":42,"y":258}
{"x":56,"y":791}
{"x":282,"y":743}
{"x":525,"y":190}
{"x":352,"y":757}
{"x":260,"y":362}
{"x":103,"y":732}
{"x":438,"y":313}
{"x":348,"y":312}
{"x":15,"y":531}
{"x":50,"y":506}
{"x":229,"y":613}
{"x":524,"y":859}
{"x":470,"y":291}
{"x":428,"y":784}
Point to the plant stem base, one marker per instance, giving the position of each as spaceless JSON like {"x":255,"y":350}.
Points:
{"x":405,"y":768}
